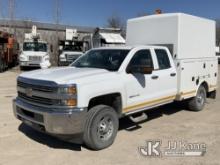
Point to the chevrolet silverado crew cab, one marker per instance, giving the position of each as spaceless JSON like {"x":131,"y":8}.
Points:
{"x":168,"y":57}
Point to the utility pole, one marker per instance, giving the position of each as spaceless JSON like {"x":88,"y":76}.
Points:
{"x":57,"y":13}
{"x":1,"y":12}
{"x":11,"y":9}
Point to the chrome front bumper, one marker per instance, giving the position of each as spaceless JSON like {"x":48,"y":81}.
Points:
{"x":29,"y":64}
{"x":51,"y":121}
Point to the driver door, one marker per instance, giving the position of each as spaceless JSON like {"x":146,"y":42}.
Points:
{"x":141,"y":89}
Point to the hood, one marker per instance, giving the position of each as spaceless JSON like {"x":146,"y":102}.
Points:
{"x":34,"y":53}
{"x":67,"y":75}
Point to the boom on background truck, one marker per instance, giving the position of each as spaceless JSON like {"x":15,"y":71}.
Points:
{"x":71,"y":48}
{"x":168,"y":57}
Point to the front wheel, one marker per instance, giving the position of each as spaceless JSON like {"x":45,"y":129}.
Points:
{"x":101,"y":127}
{"x":198,"y":102}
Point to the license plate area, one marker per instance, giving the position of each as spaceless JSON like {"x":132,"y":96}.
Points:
{"x":34,"y":116}
{"x":36,"y":126}
{"x":27,"y":122}
{"x":35,"y":58}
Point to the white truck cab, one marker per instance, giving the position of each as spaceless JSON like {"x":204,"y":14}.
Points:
{"x":71,"y":48}
{"x":69,"y":54}
{"x":35,"y":52}
{"x":83,"y":102}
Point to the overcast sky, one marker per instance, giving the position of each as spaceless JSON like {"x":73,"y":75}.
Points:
{"x":96,"y":12}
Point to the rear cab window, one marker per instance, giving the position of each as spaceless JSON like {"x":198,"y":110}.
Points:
{"x":163,"y":59}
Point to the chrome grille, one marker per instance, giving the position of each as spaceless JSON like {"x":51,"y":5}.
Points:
{"x":39,"y":100}
{"x":36,"y":87}
{"x":35,"y":58}
{"x":71,"y":57}
{"x":37,"y":91}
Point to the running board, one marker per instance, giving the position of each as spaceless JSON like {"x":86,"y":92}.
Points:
{"x":138,"y":119}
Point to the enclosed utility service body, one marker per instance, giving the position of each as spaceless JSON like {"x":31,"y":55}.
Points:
{"x":191,"y":41}
{"x":168,"y":57}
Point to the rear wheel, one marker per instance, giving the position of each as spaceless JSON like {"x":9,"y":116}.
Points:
{"x":5,"y":65}
{"x":198,"y":102}
{"x":101,"y":127}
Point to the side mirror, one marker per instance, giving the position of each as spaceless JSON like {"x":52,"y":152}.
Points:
{"x":140,"y":69}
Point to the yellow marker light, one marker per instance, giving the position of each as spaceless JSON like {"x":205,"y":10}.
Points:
{"x":72,"y":90}
{"x":71,"y":102}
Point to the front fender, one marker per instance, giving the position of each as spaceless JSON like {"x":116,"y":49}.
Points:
{"x":89,"y":91}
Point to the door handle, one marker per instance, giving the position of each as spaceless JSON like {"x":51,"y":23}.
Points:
{"x":155,"y":77}
{"x":172,"y":74}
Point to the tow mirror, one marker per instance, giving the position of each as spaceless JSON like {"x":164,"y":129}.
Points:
{"x":140,"y":69}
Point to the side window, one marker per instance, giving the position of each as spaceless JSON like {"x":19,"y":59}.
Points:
{"x":142,"y":58}
{"x":163,"y":59}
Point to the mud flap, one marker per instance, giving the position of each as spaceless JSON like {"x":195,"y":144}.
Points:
{"x":212,"y":95}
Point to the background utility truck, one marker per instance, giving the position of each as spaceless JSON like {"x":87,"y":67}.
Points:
{"x":71,"y":48}
{"x":75,"y":44}
{"x":35,"y":52}
{"x":175,"y":61}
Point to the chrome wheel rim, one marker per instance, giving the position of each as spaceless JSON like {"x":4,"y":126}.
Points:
{"x":105,"y":128}
{"x":201,"y":98}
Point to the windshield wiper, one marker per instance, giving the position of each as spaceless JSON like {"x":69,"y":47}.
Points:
{"x":108,"y":69}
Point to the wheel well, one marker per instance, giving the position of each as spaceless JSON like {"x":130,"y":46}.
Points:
{"x":113,"y":100}
{"x":205,"y":85}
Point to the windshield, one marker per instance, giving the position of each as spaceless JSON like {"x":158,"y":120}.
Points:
{"x":35,"y":46}
{"x":103,"y":59}
{"x":72,"y":48}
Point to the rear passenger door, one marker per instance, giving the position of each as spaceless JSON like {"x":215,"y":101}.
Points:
{"x":166,"y":74}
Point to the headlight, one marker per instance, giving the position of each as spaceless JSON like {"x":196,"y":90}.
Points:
{"x":68,"y":102}
{"x":22,"y":58}
{"x":46,"y":58}
{"x":62,"y":55}
{"x":67,"y":90}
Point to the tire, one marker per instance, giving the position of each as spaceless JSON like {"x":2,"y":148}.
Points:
{"x":5,"y":66}
{"x":22,"y":68}
{"x":101,"y":127}
{"x":1,"y":66}
{"x":198,"y":102}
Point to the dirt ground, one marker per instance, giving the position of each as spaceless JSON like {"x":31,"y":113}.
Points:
{"x":20,"y":145}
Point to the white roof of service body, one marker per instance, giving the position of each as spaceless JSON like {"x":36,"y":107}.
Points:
{"x":113,"y":38}
{"x":185,"y":35}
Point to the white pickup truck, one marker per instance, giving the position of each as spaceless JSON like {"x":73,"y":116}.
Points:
{"x":83,"y":102}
